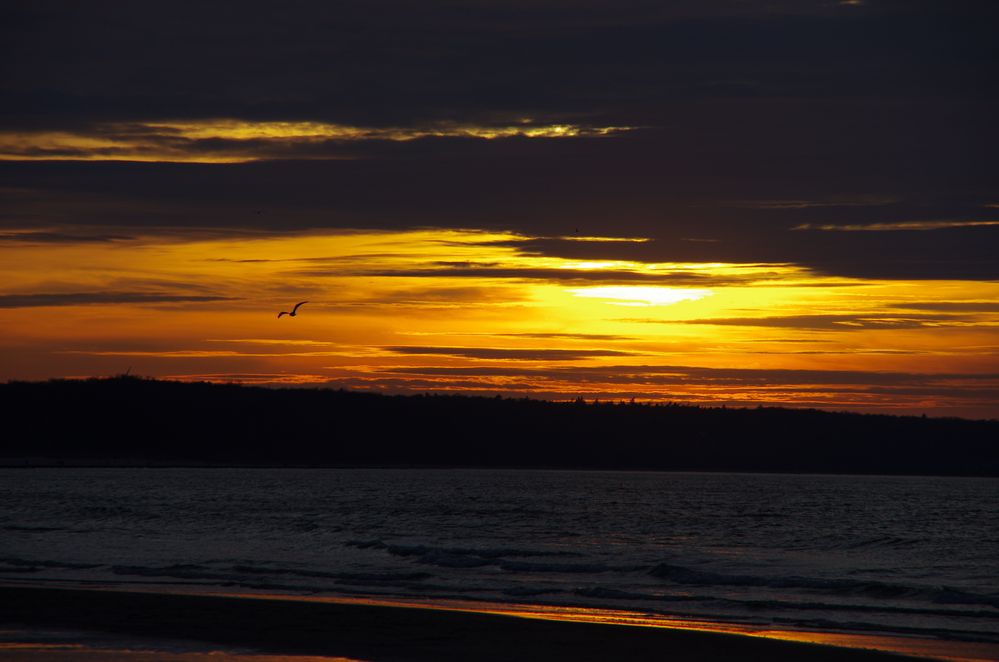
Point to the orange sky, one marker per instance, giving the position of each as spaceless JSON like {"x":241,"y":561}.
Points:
{"x":472,"y":311}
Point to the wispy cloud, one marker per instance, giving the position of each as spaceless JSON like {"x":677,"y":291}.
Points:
{"x":859,"y":201}
{"x":54,"y":237}
{"x":842,"y":322}
{"x":564,"y":336}
{"x":239,"y":141}
{"x":505,"y":353}
{"x":232,"y":129}
{"x":273,"y":341}
{"x":567,"y":273}
{"x":535,"y":335}
{"x":687,"y":375}
{"x":964,"y":306}
{"x":268,"y":379}
{"x":900,"y":226}
{"x":856,"y":389}
{"x":203,"y":353}
{"x":39,"y":300}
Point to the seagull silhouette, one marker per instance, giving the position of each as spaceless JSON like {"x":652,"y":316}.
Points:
{"x":293,"y":310}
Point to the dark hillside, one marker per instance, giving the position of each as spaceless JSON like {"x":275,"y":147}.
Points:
{"x":132,"y":420}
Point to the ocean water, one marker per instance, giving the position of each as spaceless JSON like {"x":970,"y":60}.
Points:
{"x":901,"y":555}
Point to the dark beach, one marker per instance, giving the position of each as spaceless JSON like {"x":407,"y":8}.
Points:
{"x":374,"y":632}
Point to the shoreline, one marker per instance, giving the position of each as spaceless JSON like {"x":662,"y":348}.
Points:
{"x":69,"y":464}
{"x":361,"y":628}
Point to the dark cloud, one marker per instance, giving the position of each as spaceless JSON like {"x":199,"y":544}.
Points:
{"x":873,"y":397}
{"x":277,"y":380}
{"x":959,"y":253}
{"x":436,"y":296}
{"x":39,"y":300}
{"x":903,"y":226}
{"x":948,"y":306}
{"x":962,"y":394}
{"x":547,"y":191}
{"x":409,"y":385}
{"x":832,"y":202}
{"x":693,"y":375}
{"x":844,"y":322}
{"x":756,"y":118}
{"x":966,"y":402}
{"x":41,"y":237}
{"x":565,"y":336}
{"x":983,"y":395}
{"x":394,"y":61}
{"x":685,"y":278}
{"x":509,"y":354}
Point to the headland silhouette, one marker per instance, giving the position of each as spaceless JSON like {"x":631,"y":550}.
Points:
{"x":131,"y":420}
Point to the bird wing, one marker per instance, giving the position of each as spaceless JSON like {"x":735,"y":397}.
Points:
{"x":295,"y":309}
{"x":282,"y":313}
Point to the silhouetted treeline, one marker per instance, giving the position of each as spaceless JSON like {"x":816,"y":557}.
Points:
{"x":133,"y":420}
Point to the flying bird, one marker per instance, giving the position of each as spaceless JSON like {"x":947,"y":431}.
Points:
{"x":293,"y":310}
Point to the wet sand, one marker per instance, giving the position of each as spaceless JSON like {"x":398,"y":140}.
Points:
{"x":249,"y":627}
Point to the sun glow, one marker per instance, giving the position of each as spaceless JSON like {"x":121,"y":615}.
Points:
{"x":631,"y":295}
{"x":469,"y":311}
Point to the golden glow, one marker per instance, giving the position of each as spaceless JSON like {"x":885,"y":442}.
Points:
{"x":469,"y":311}
{"x":237,"y":141}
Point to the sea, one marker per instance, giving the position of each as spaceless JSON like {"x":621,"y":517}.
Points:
{"x":906,"y":556}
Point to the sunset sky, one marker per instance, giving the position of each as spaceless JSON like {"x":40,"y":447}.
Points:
{"x":738,"y":202}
